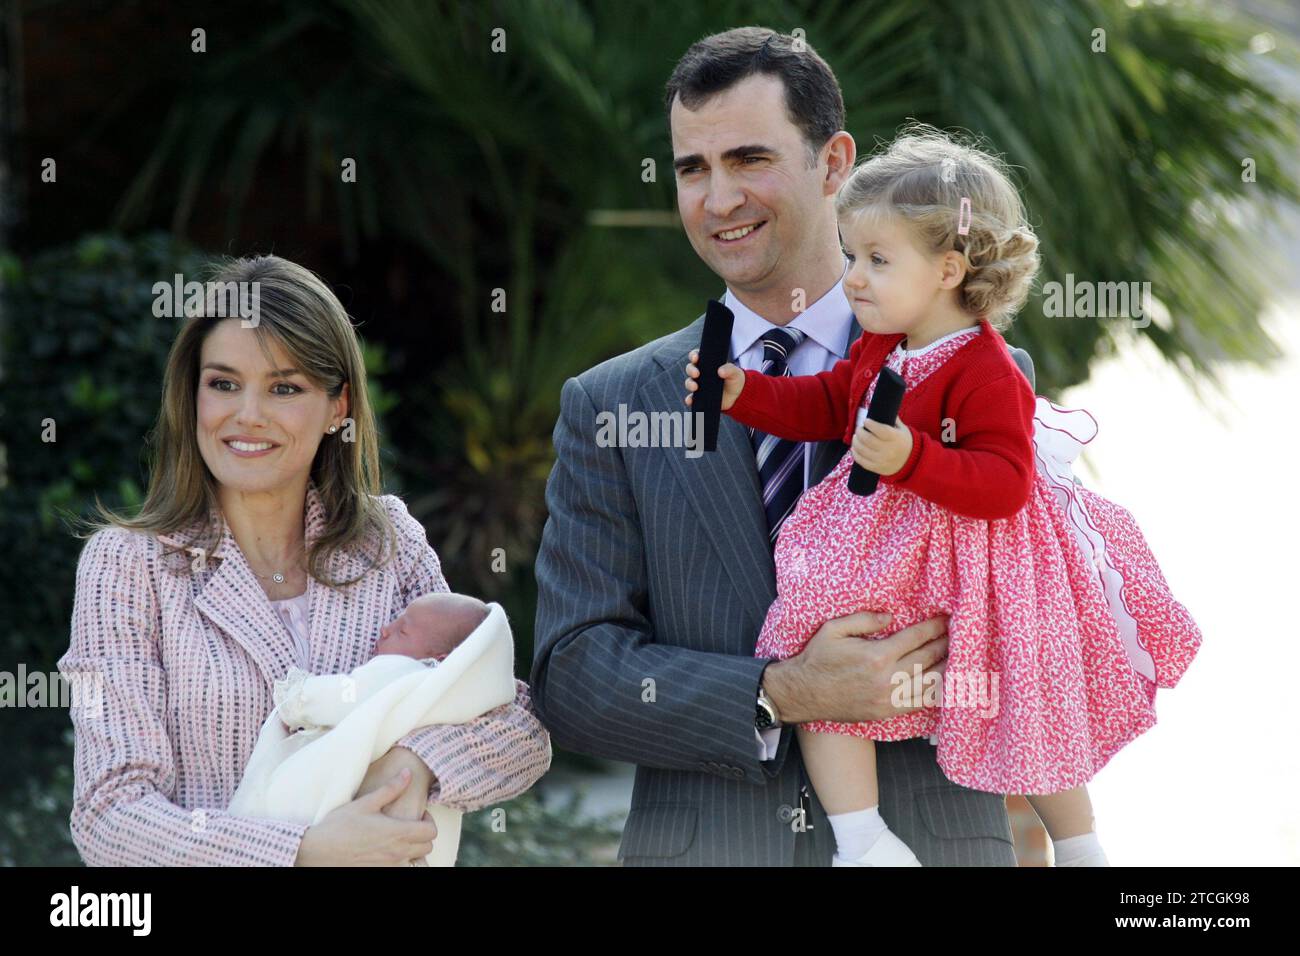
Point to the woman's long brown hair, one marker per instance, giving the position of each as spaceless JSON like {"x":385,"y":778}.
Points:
{"x":299,"y":312}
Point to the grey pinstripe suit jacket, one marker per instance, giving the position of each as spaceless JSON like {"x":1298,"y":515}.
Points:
{"x":654,"y":576}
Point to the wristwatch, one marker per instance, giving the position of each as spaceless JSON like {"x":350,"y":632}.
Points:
{"x":765,"y":715}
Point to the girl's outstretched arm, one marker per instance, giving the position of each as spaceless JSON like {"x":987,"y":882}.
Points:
{"x":800,"y":407}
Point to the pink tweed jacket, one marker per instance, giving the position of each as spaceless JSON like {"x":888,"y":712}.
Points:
{"x":186,"y":661}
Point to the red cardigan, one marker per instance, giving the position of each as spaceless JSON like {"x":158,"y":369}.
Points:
{"x":987,"y":472}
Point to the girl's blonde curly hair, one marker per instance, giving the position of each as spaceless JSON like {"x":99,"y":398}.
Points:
{"x":922,"y":177}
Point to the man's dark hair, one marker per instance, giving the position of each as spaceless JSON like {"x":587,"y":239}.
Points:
{"x":812,"y":94}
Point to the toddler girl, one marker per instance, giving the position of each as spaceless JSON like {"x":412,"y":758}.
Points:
{"x":1060,"y":625}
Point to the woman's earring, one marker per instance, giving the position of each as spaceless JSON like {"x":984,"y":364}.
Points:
{"x":333,"y":429}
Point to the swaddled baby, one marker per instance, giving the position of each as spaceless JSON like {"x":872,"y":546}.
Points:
{"x":446,"y":659}
{"x":429,"y":629}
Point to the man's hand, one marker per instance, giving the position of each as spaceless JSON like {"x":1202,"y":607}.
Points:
{"x":882,"y":448}
{"x":842,"y":677}
{"x":410,"y":804}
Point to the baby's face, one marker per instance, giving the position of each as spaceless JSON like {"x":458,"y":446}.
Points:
{"x":431,"y":626}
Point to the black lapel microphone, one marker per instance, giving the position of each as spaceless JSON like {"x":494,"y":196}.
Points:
{"x":715,"y":352}
{"x":885,"y":402}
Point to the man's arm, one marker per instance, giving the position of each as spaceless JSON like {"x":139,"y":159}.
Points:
{"x":600,"y":682}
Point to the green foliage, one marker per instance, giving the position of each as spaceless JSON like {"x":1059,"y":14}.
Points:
{"x":35,"y":807}
{"x":493,"y":162}
{"x":526,"y":832}
{"x":83,"y":360}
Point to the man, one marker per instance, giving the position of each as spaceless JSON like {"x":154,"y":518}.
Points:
{"x":655,"y":570}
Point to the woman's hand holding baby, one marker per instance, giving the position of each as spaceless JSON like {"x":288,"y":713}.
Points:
{"x":412,"y":801}
{"x":360,"y":834}
{"x":882,"y":448}
{"x":732,"y":375}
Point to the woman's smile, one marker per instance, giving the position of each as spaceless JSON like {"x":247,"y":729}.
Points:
{"x":243,"y":447}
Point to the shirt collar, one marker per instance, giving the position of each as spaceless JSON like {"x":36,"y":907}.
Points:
{"x":824,"y":321}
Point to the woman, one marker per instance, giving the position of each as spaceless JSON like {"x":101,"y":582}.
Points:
{"x":262,"y":543}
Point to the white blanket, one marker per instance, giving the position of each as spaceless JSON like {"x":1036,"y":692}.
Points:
{"x":344,"y":722}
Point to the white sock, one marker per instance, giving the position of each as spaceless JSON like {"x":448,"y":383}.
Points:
{"x":1082,"y":850}
{"x":857,"y":831}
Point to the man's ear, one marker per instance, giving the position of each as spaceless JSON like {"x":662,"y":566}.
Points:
{"x":840,"y":152}
{"x":952,"y":270}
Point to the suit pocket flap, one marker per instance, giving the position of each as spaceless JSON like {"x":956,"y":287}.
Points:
{"x":956,"y":812}
{"x":659,"y":830}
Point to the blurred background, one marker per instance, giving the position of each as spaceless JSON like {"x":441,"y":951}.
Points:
{"x":1154,"y":142}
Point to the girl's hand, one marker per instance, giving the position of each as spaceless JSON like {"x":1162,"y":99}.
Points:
{"x":732,"y":375}
{"x":882,"y":448}
{"x":360,"y":834}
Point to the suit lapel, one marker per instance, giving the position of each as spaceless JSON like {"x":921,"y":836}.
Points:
{"x":722,"y":485}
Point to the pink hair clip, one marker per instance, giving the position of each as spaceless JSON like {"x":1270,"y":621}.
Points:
{"x":964,"y":217}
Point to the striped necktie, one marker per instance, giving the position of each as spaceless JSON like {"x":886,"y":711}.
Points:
{"x":780,"y":461}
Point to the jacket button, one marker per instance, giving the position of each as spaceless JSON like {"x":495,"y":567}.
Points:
{"x":786,"y":813}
